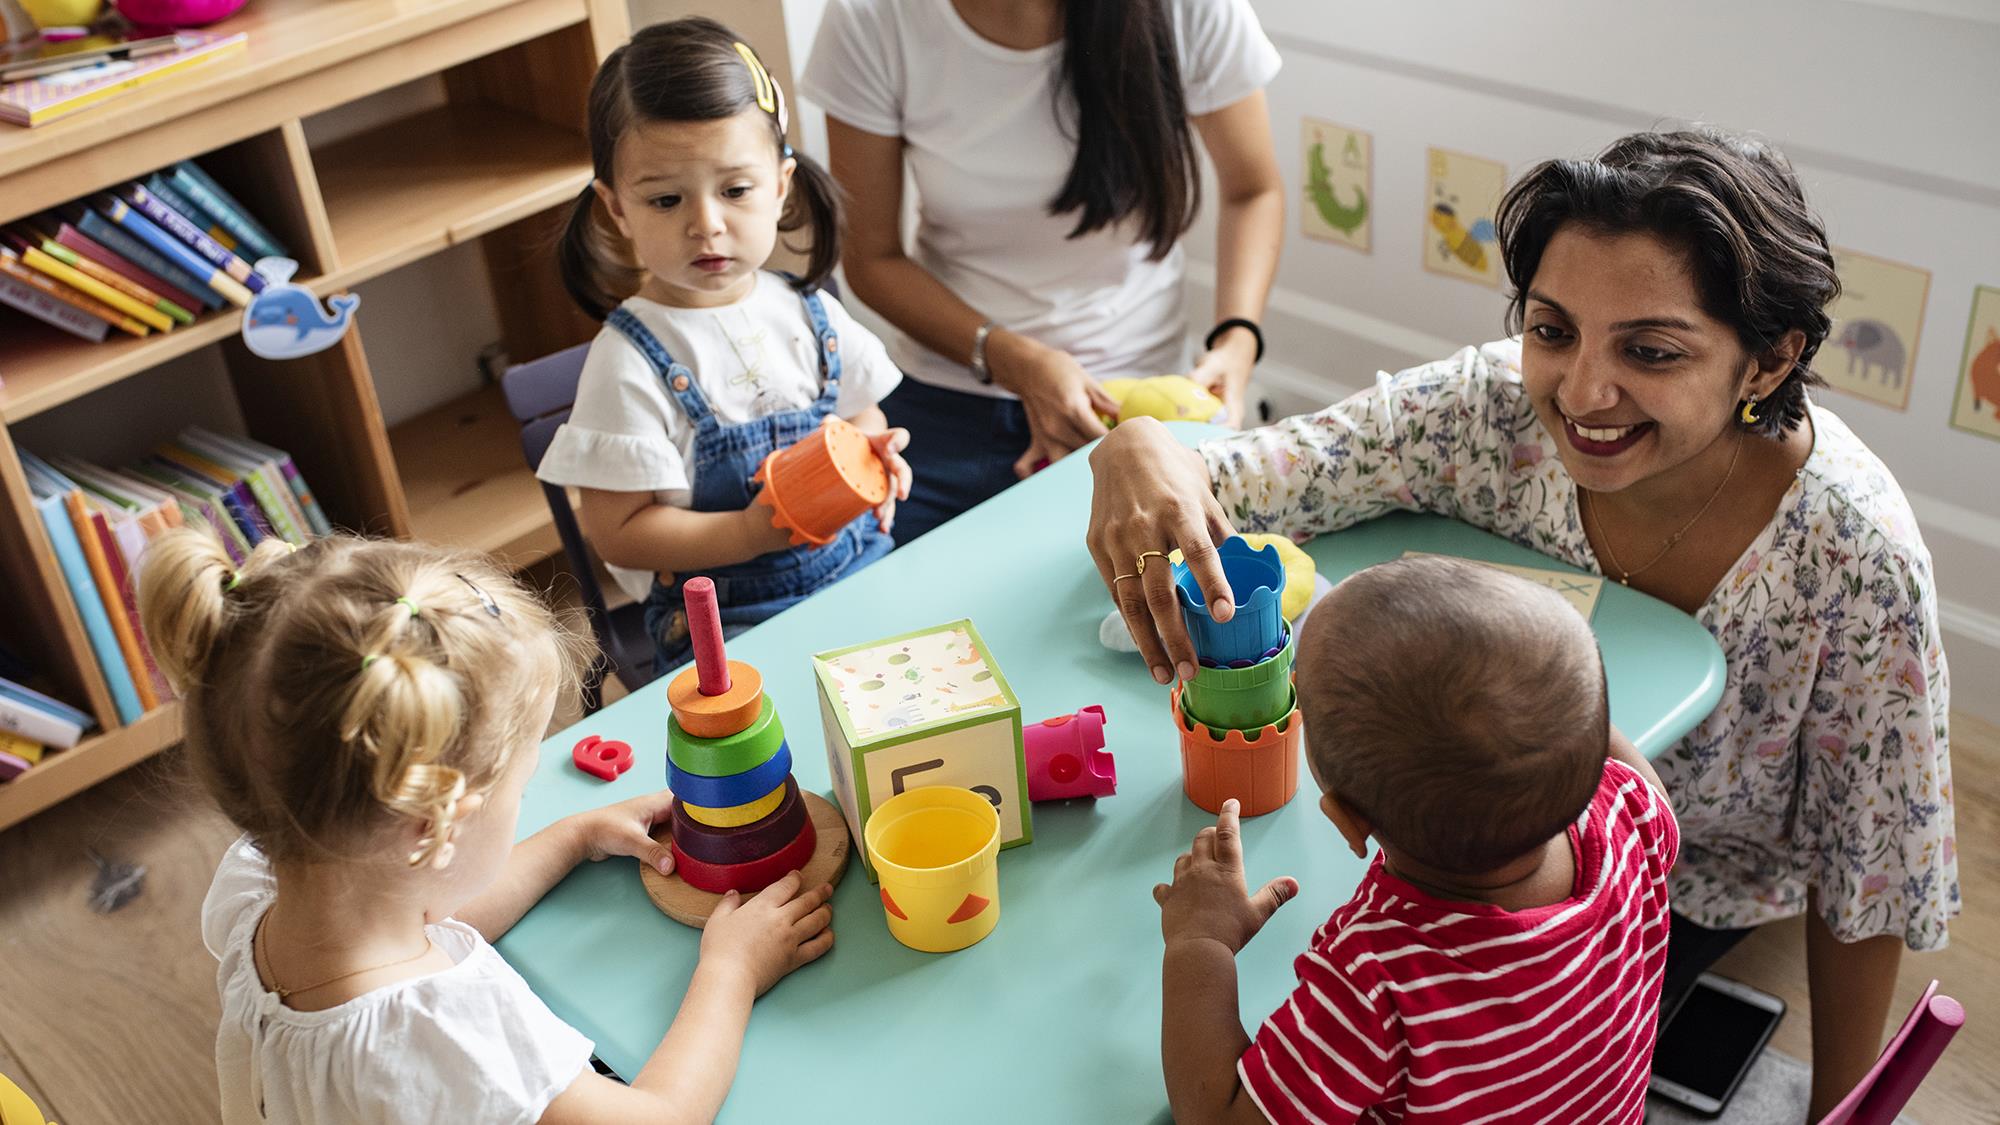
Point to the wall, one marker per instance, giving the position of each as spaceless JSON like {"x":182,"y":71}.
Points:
{"x":1887,"y":107}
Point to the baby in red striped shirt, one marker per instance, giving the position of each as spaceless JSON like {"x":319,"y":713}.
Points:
{"x":1501,"y":960}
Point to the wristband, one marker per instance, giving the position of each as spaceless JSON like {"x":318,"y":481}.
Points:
{"x":1236,"y":322}
{"x":979,"y":368}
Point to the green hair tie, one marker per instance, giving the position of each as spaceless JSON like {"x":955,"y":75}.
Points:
{"x":415,"y":609}
{"x":367,"y":660}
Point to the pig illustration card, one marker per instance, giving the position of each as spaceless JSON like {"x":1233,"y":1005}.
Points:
{"x":1877,"y":318}
{"x":1977,"y":406}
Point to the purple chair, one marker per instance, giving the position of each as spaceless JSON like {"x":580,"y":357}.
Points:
{"x":539,"y":395}
{"x":1886,"y":1088}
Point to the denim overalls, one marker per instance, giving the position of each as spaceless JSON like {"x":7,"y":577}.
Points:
{"x":723,"y":460}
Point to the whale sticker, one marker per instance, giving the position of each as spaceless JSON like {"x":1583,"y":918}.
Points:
{"x":285,"y":320}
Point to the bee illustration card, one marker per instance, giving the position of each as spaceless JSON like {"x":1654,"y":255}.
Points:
{"x":1977,"y":407}
{"x":1873,"y":349}
{"x":1461,"y":195}
{"x":1340,"y":185}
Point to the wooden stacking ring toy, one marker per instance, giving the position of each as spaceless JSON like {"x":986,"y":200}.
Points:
{"x":732,"y":816}
{"x":717,"y":716}
{"x":747,"y":842}
{"x":734,"y":789}
{"x":720,"y":756}
{"x":719,"y":878}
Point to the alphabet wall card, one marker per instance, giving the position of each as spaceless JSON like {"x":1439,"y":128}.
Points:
{"x":1461,"y":194}
{"x":1977,"y":407}
{"x":1340,"y":185}
{"x":1872,"y":351}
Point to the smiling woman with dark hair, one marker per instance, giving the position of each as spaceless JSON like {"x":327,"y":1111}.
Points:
{"x":1652,"y":424}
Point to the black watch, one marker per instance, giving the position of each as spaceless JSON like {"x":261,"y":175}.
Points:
{"x":1236,"y":322}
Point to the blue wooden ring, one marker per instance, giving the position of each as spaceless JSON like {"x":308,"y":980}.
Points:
{"x":747,"y":843}
{"x":737,"y":788}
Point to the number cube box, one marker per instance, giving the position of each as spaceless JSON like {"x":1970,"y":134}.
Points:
{"x":925,"y":708}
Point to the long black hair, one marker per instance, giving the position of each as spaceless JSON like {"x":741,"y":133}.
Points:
{"x":1760,"y":256}
{"x":1134,"y":152}
{"x":684,"y":70}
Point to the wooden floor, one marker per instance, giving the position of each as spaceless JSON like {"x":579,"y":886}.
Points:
{"x":111,"y":1018}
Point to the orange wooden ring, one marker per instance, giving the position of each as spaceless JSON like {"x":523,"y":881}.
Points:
{"x":717,"y":716}
{"x":1259,"y":768}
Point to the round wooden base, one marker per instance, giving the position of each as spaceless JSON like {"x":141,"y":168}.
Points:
{"x":691,"y":906}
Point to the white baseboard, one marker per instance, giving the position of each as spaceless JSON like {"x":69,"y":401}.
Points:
{"x":1319,"y":352}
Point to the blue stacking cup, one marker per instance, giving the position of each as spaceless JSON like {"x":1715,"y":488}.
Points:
{"x":1257,"y":582}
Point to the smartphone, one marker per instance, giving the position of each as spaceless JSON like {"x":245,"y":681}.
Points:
{"x":32,"y":58}
{"x":1710,"y":1042}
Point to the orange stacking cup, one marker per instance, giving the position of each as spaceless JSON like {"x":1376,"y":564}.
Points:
{"x":1259,"y":768}
{"x":817,"y":486}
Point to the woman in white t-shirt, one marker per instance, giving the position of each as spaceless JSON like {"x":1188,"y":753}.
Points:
{"x":1051,"y":146}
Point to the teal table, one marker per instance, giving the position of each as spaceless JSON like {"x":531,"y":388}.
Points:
{"x":1056,"y":1016}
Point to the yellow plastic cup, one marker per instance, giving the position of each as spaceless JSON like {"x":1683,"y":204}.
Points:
{"x":936,"y":851}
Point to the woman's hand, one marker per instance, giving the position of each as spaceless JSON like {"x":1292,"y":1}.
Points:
{"x":626,"y":828}
{"x":1062,"y":400}
{"x":1224,"y":371}
{"x":1150,"y":495}
{"x":767,"y":936}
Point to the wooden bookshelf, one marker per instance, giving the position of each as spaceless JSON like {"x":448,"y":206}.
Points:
{"x":497,"y":166}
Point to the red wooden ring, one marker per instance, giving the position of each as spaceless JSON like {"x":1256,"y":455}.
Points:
{"x":749,"y":878}
{"x":744,"y":843}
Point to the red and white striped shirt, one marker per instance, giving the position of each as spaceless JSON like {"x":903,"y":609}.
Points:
{"x":1414,"y":1006}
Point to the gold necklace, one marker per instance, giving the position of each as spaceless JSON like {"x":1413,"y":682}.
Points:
{"x":1611,"y":556}
{"x":263,"y":961}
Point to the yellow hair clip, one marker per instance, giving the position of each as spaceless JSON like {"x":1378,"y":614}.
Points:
{"x":767,"y":90}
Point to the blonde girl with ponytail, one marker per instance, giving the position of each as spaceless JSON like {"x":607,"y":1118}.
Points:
{"x":369,"y":713}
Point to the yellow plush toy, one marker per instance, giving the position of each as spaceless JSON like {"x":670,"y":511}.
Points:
{"x":62,"y":13}
{"x":1299,"y":572}
{"x":1170,"y":398}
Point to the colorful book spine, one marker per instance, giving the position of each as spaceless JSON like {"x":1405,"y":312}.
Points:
{"x":74,"y":720}
{"x":236,"y":494}
{"x":90,"y":536}
{"x":202,"y":190}
{"x":38,"y":726}
{"x":167,"y":193}
{"x":124,"y":543}
{"x":106,"y":276}
{"x":26,"y":749}
{"x":37,"y":101}
{"x":143,"y":229}
{"x":107,"y":233}
{"x":41,"y":306}
{"x":315,"y":516}
{"x":90,"y":607}
{"x":12,"y":266}
{"x":199,"y":508}
{"x":77,"y":241}
{"x":184,"y":228}
{"x":12,"y":766}
{"x":84,"y":283}
{"x":273,"y":495}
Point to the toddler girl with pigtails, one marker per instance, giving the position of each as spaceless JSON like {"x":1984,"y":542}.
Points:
{"x":707,"y":362}
{"x":368,"y":714}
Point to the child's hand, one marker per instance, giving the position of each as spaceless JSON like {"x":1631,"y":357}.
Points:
{"x":1208,"y":897}
{"x":768,"y":936}
{"x":889,"y":446}
{"x":626,"y":828}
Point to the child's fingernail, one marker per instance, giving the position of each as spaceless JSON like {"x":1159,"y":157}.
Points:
{"x":1160,"y":674}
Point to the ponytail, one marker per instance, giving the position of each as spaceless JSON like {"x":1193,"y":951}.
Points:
{"x":593,"y":269}
{"x":1135,"y":155}
{"x":815,"y":206}
{"x":182,"y":599}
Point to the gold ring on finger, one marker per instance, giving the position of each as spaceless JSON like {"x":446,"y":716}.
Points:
{"x":1117,"y":578}
{"x":1140,"y":567}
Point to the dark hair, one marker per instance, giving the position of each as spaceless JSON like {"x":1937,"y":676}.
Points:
{"x":1457,"y":708}
{"x":1134,"y":152}
{"x":684,"y":70}
{"x":1760,"y":256}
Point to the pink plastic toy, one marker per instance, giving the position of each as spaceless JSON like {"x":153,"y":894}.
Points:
{"x":167,"y":14}
{"x":1066,"y":757}
{"x":602,"y":759}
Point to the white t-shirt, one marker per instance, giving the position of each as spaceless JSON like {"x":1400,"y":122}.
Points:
{"x":468,"y":1043}
{"x":988,"y":154}
{"x":751,"y":359}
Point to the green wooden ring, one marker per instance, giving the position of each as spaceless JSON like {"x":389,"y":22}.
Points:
{"x":721,"y":757}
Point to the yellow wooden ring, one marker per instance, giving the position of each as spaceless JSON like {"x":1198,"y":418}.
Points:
{"x":736,"y":816}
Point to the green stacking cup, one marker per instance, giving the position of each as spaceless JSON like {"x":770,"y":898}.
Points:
{"x":1245,"y":699}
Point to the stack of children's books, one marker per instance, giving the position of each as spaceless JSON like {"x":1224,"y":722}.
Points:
{"x":32,"y":725}
{"x":147,"y":256}
{"x":100,"y":520}
{"x":37,"y":101}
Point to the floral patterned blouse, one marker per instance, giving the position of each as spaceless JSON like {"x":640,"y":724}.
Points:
{"x":1826,"y":763}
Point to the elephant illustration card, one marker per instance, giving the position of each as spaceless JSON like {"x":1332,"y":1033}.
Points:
{"x":1977,"y":406}
{"x":1339,"y":185}
{"x":1872,"y":352}
{"x":1461,"y":194}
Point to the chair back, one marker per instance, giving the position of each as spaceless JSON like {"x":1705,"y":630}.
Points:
{"x":1886,"y":1088}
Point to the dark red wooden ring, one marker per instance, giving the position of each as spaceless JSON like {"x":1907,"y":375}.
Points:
{"x":755,"y":840}
{"x":748,"y":878}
